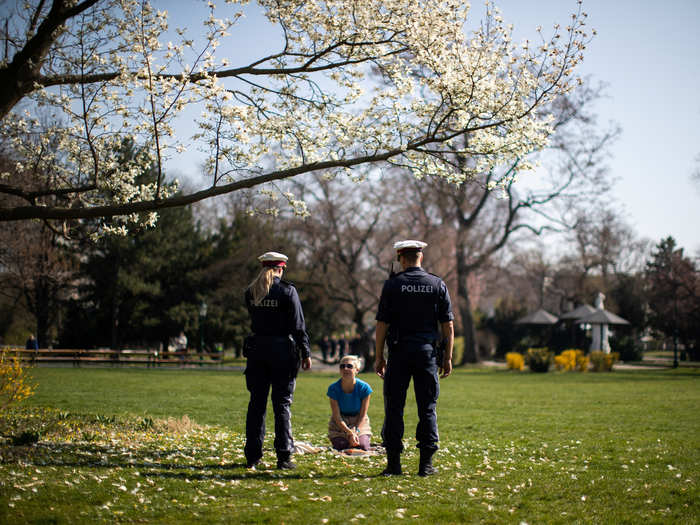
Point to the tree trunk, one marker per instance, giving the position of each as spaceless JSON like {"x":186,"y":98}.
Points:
{"x":41,"y":312}
{"x":470,"y":354}
{"x":114,"y":322}
{"x":364,"y":346}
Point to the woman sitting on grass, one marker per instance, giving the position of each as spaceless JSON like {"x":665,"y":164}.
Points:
{"x":349,"y":423}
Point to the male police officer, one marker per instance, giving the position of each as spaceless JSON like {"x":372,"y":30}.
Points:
{"x":412,"y":304}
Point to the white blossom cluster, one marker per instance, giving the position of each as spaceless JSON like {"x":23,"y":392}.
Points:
{"x":393,"y":82}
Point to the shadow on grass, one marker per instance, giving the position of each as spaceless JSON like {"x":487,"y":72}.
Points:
{"x":70,"y":455}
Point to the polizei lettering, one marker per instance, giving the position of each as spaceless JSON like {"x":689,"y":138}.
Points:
{"x":416,"y":288}
{"x":269,"y":303}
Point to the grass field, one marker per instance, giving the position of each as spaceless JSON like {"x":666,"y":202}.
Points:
{"x":166,"y":446}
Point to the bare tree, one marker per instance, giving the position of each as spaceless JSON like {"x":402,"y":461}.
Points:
{"x":485,"y":220}
{"x":602,"y":247}
{"x":38,"y":262}
{"x":39,"y":268}
{"x":344,"y":240}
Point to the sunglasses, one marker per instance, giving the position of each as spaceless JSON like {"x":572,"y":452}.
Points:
{"x":346,"y":365}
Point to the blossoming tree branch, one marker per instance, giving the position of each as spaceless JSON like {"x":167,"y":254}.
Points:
{"x":381,"y":82}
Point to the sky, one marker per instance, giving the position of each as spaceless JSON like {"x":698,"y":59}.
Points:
{"x":647,"y":53}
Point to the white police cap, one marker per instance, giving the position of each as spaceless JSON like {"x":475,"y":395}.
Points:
{"x":273,"y":259}
{"x":409,"y":245}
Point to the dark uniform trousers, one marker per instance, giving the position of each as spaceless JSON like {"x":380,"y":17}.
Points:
{"x":272,"y":365}
{"x":406,"y":361}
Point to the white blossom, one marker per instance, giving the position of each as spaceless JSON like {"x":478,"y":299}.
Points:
{"x":391,"y":82}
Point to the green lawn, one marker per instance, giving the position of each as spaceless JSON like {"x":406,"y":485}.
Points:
{"x":621,"y":447}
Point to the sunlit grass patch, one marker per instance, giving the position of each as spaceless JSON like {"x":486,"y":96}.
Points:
{"x":555,"y":448}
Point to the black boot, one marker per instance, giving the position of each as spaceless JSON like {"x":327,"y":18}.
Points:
{"x":425,"y":467}
{"x":284,"y":462}
{"x":393,"y":464}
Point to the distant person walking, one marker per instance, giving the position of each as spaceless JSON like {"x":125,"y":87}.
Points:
{"x":181,"y":346}
{"x":333,"y":347}
{"x":325,"y":346}
{"x":32,"y":343}
{"x":412,"y":305}
{"x":342,"y":347}
{"x":272,"y":352}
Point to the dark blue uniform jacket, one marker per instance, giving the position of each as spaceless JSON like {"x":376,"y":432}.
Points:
{"x":413,"y":303}
{"x":279,"y":315}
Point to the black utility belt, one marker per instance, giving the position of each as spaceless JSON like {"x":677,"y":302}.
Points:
{"x":349,"y":415}
{"x":415,"y":340}
{"x":272,"y":338}
{"x":252,"y":342}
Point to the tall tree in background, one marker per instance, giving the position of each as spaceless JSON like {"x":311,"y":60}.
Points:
{"x":40,"y":267}
{"x":486,"y":213}
{"x":37,"y":262}
{"x":237,"y":237}
{"x":602,"y":248}
{"x":108,"y":69}
{"x":143,"y":289}
{"x":343,"y":241}
{"x":674,"y":294}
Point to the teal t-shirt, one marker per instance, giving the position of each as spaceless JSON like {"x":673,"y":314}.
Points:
{"x":351,"y":403}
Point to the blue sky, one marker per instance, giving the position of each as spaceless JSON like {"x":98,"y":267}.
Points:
{"x":648,"y":54}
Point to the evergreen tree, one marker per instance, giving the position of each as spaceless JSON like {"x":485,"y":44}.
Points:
{"x":674,"y":298}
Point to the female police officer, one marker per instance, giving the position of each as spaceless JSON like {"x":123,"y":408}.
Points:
{"x":279,"y":335}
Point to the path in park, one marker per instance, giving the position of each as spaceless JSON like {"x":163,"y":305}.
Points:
{"x":646,"y":364}
{"x":318,"y":365}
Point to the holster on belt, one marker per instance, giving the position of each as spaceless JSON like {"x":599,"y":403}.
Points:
{"x":248,"y":345}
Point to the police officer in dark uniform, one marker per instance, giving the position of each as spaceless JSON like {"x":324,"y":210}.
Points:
{"x":273,"y":352}
{"x":412,"y":306}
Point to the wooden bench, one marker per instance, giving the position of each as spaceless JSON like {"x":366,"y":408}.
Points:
{"x":43,"y":355}
{"x":124,"y":357}
{"x":183,"y":358}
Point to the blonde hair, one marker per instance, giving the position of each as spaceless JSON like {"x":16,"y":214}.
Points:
{"x":355,"y":360}
{"x":261,"y":285}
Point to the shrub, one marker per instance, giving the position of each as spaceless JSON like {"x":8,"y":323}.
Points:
{"x":503,"y":325}
{"x":13,"y":380}
{"x":515,"y":361}
{"x":603,"y":362}
{"x":570,"y":360}
{"x":539,"y":359}
{"x":627,"y":347}
{"x":582,"y":363}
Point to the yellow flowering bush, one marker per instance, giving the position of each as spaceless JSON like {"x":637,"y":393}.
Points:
{"x":13,"y":380}
{"x":603,"y":362}
{"x":570,"y":360}
{"x":539,"y":359}
{"x":582,"y":363}
{"x":515,"y":361}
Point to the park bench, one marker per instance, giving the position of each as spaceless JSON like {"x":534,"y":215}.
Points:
{"x":123,"y":357}
{"x":182,"y":358}
{"x":43,"y":355}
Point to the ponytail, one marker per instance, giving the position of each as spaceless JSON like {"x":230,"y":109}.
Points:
{"x":261,"y":285}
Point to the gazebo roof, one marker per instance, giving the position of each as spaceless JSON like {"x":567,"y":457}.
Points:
{"x":577,"y":313}
{"x":603,"y":317}
{"x":538,"y":317}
